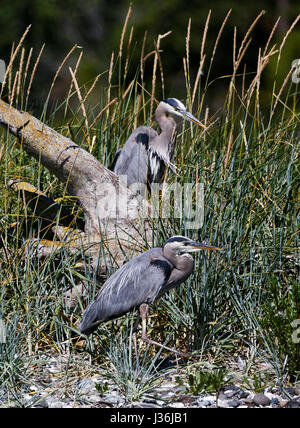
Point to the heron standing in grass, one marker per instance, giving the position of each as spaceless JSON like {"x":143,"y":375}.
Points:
{"x":146,"y":154}
{"x":141,"y":281}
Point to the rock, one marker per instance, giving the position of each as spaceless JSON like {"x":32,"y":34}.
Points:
{"x":274,"y":401}
{"x":249,"y":398}
{"x":41,"y":404}
{"x":233,"y":403}
{"x":177,"y":404}
{"x":292,"y":404}
{"x":231,"y":388}
{"x":243,"y":394}
{"x":261,"y":399}
{"x":222,"y":396}
{"x":225,"y":404}
{"x":187,"y":400}
{"x":113,"y":399}
{"x":155,"y":401}
{"x":206,"y":403}
{"x":230,"y":394}
{"x":91,"y":398}
{"x":57,"y":405}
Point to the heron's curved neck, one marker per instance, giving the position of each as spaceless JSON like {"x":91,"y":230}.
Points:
{"x":167,"y":125}
{"x":165,"y":141}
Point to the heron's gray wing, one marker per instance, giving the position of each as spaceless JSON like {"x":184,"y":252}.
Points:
{"x":133,"y":158}
{"x":138,"y":281}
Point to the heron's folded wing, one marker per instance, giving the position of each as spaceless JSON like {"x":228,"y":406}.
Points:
{"x":138,"y":281}
{"x":132,"y":160}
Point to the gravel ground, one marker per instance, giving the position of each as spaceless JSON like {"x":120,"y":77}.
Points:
{"x":57,"y":382}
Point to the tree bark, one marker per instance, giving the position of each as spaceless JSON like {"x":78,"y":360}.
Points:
{"x":112,"y":212}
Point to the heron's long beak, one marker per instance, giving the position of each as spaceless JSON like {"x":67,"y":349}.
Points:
{"x":197,"y":246}
{"x":191,"y":118}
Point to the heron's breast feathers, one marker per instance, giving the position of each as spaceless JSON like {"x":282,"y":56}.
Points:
{"x":158,"y":159}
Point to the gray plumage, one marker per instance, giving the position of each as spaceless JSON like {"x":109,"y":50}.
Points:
{"x":142,"y":280}
{"x":146,"y":154}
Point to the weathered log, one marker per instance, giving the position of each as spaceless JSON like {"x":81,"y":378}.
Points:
{"x":113,"y":214}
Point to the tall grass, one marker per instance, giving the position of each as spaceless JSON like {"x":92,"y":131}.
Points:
{"x":241,"y":301}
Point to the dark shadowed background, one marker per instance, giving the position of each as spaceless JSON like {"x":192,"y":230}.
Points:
{"x":96,"y":26}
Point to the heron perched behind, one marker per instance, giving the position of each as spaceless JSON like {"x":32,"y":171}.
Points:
{"x":146,"y":154}
{"x":141,"y":281}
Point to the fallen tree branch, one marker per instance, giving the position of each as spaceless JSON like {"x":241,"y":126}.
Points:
{"x":112,"y":212}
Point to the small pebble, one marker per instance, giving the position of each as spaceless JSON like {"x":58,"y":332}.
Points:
{"x":293,"y":404}
{"x":243,"y":394}
{"x":205,"y":403}
{"x":230,"y":394}
{"x":223,"y":404}
{"x":231,"y":388}
{"x":222,"y":396}
{"x":261,"y":399}
{"x":233,"y":403}
{"x":274,"y":401}
{"x":113,"y":399}
{"x":57,"y":405}
{"x":177,"y":405}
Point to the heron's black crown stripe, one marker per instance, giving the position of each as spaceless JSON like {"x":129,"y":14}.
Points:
{"x":171,"y":101}
{"x":176,"y":239}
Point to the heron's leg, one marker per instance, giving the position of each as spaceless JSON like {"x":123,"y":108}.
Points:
{"x":134,"y":339}
{"x":144,"y":313}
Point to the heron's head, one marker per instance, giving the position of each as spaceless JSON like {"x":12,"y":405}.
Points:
{"x":177,"y":110}
{"x":179,"y":245}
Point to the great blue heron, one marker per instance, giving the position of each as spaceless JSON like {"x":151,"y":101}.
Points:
{"x":141,"y":281}
{"x":146,"y":154}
